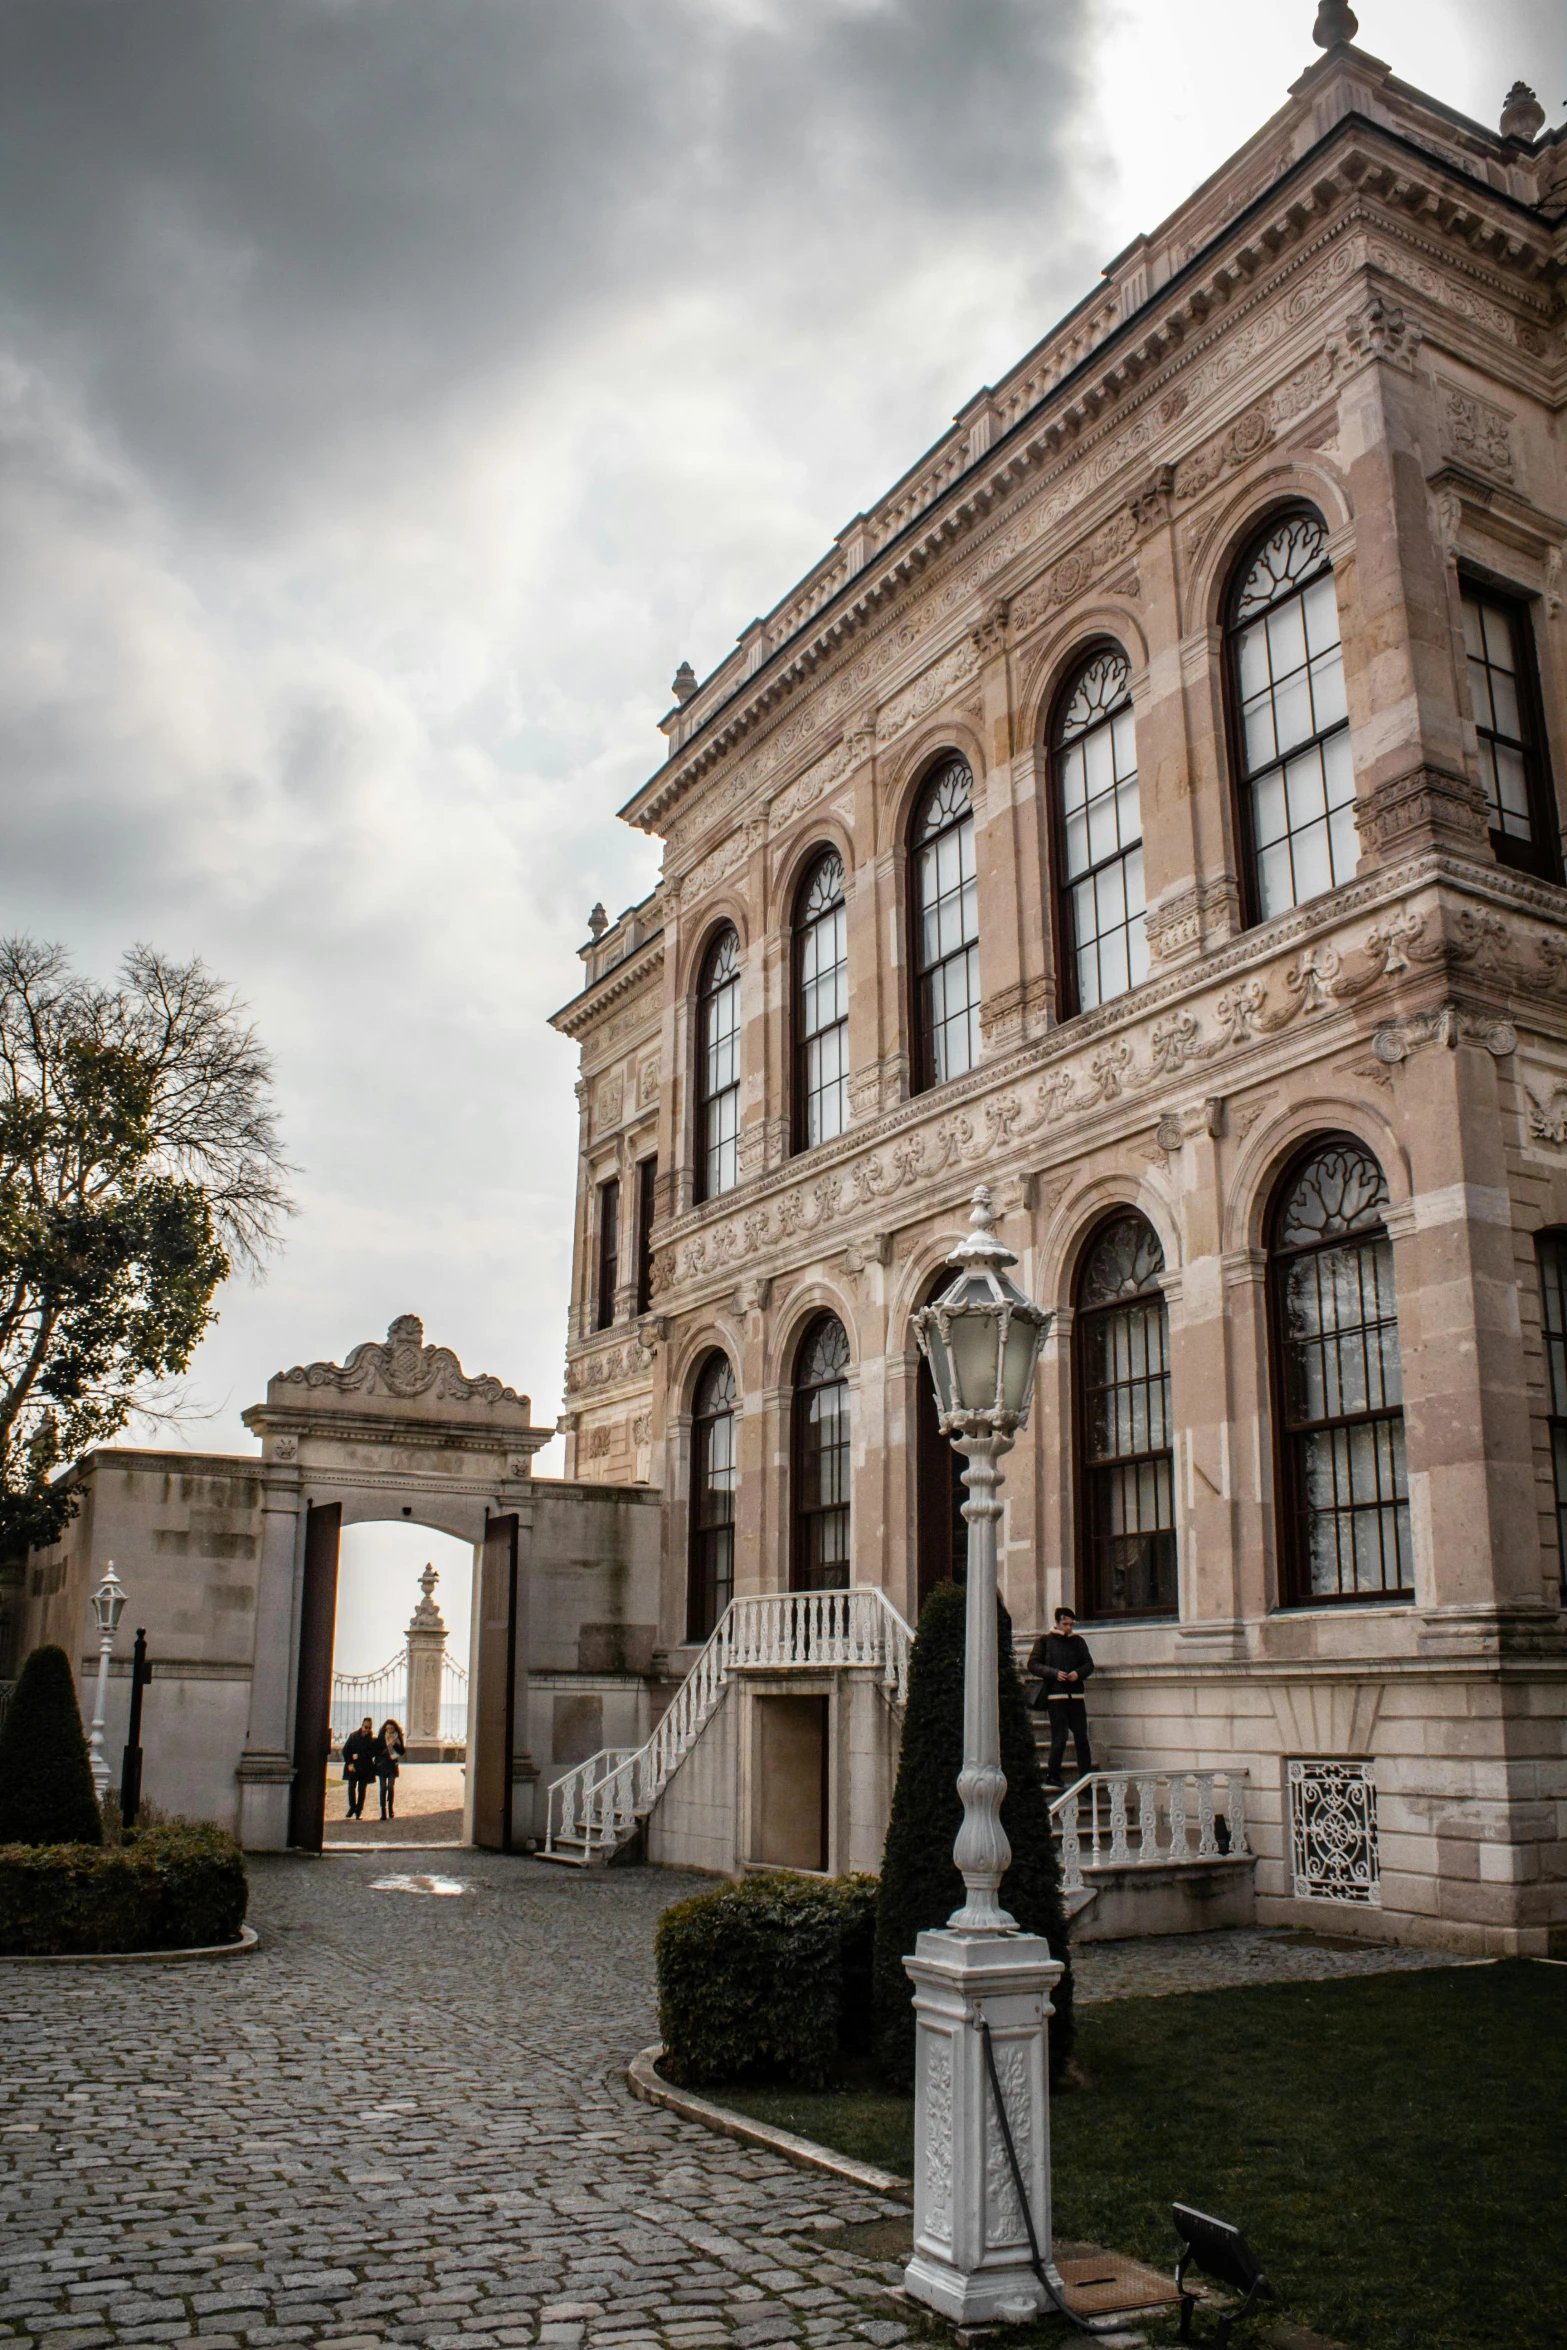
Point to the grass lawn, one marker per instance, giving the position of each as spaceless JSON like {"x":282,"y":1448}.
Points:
{"x":1393,"y":2145}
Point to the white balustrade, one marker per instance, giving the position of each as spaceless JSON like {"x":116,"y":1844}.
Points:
{"x":598,"y":1804}
{"x":1140,"y":1819}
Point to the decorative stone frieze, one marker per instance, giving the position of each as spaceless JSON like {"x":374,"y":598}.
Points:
{"x":1428,"y":804}
{"x":1447,"y":1024}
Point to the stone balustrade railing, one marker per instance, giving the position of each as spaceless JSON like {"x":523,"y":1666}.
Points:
{"x":596,"y":1806}
{"x":1142,"y":1819}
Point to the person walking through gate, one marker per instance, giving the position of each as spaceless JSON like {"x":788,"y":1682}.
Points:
{"x":1062,"y":1660}
{"x":392,"y":1749}
{"x":361,"y":1764}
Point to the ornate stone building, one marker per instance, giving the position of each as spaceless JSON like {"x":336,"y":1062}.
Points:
{"x":1151,"y":807}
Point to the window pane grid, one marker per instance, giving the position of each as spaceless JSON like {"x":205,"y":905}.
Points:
{"x":718,"y":1071}
{"x":823,"y":1461}
{"x":947,"y":927}
{"x":1294,"y":749}
{"x":714,"y":1479}
{"x":1551,"y":1254}
{"x":1123,"y":1360}
{"x":822,"y":1013}
{"x":1101,"y":834}
{"x":1507,"y":748}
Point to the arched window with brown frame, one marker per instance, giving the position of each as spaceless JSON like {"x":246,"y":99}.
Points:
{"x":1289,"y":722}
{"x":945,"y":926}
{"x":821,"y":1004}
{"x":1343,"y":1489}
{"x":1100,"y":906}
{"x":1125,"y":1452}
{"x":710,"y":1583}
{"x":821,"y":1458}
{"x":718,"y":1067}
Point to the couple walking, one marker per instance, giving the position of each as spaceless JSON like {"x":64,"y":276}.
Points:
{"x":373,"y":1754}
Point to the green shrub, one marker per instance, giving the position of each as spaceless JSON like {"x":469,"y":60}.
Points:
{"x":176,"y":1886}
{"x":766,"y":1980}
{"x":46,"y":1789}
{"x":920,"y":1884}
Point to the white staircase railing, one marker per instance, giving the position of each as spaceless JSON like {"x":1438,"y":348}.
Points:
{"x":1138,"y":1819}
{"x":598,"y":1804}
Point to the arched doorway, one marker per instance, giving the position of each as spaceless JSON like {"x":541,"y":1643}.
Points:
{"x":940,"y":1528}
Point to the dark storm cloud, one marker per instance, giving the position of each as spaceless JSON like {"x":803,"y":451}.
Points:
{"x":264,"y":238}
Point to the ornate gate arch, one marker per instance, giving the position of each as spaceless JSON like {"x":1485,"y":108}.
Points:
{"x":398,"y":1431}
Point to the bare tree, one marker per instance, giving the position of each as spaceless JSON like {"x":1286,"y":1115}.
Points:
{"x":139,"y":1160}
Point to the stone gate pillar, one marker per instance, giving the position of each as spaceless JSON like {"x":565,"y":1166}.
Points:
{"x":426,"y":1667}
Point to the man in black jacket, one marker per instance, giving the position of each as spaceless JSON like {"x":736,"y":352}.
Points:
{"x":1064,"y":1665}
{"x":361,"y":1761}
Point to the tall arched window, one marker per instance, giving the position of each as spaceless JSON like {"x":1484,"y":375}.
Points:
{"x":1121,"y":1341}
{"x":711,"y":1583}
{"x":718,"y":1068}
{"x":1100,"y":906}
{"x":1289,"y":720}
{"x":946,"y":927}
{"x":821,"y":1006}
{"x":1551,"y":1256}
{"x":821,"y":1458}
{"x":1343,"y":1490}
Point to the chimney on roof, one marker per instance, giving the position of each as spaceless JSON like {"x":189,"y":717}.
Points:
{"x":1336,"y":22}
{"x":1523,"y":117}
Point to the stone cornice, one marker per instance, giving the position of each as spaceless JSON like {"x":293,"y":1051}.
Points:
{"x":1065,"y":409}
{"x":600,"y":995}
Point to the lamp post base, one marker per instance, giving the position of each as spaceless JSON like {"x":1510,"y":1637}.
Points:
{"x":971,"y":2250}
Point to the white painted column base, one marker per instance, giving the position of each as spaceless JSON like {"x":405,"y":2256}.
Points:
{"x":971,"y":2252}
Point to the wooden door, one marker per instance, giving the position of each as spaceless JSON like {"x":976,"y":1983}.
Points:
{"x":313,"y":1690}
{"x":495,"y":1708}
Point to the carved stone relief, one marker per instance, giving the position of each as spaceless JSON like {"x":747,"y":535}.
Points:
{"x":1475,"y":432}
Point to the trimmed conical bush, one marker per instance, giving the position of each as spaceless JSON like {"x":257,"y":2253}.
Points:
{"x":920,"y":1884}
{"x":46,"y":1789}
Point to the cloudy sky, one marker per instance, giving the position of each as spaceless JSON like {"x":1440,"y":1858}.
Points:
{"x":394,"y":392}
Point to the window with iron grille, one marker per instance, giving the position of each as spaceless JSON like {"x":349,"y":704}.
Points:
{"x":821,"y":1012}
{"x":711,"y":1581}
{"x":1121,"y":1340}
{"x":609,"y":1251}
{"x":718,"y":1069}
{"x":821,"y":1452}
{"x":1504,"y":697}
{"x":1344,"y":1490}
{"x":1290,"y":721}
{"x":1551,"y":1256}
{"x":1333,"y":1832}
{"x":946,"y":926}
{"x":647,"y":1180}
{"x":1100,"y":906}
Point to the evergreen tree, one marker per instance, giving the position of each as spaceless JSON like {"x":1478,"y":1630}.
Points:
{"x":920,"y":1884}
{"x":46,"y":1789}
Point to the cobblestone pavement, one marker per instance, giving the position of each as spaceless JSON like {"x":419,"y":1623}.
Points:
{"x":1162,"y":1963}
{"x":403,"y":2120}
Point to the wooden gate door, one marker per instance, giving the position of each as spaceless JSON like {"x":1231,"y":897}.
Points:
{"x":495,"y":1707}
{"x":313,"y":1691}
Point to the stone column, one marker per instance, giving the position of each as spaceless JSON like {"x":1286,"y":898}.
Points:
{"x":426,"y":1662}
{"x":266,"y":1767}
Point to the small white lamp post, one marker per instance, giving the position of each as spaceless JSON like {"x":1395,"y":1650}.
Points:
{"x":981,"y":1988}
{"x":108,"y":1605}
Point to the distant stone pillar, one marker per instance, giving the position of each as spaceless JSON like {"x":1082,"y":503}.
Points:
{"x":426,"y":1660}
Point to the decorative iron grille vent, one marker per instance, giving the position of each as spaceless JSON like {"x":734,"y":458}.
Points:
{"x":1333,"y":1832}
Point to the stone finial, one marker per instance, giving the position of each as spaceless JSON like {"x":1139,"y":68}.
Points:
{"x":1336,"y":21}
{"x":685,"y":682}
{"x":1523,"y":117}
{"x":598,"y":921}
{"x":427,"y":1616}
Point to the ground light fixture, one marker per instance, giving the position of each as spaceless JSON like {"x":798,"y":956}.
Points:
{"x":108,"y":1605}
{"x":981,"y":1987}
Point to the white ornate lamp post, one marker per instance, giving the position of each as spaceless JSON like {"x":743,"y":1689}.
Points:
{"x":108,"y":1605}
{"x":981,"y":1988}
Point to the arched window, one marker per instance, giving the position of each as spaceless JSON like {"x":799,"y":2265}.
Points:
{"x":718,"y":1068}
{"x":711,"y":1584}
{"x":1290,"y":723}
{"x":821,"y":1458}
{"x":1551,"y":1256}
{"x":1343,"y":1490}
{"x":1100,"y":907}
{"x":1121,"y":1341}
{"x":946,"y":927}
{"x":821,"y":1006}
